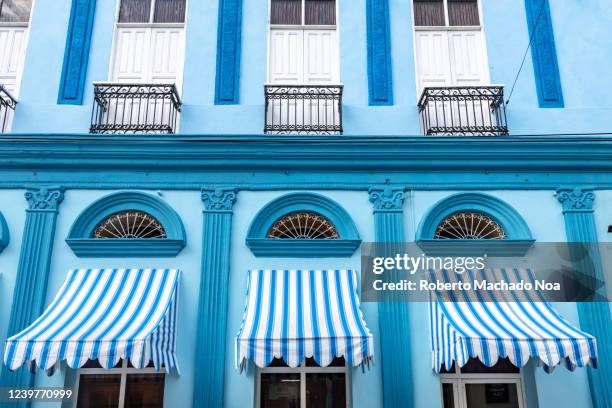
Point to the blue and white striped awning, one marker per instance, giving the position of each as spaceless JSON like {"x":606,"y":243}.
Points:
{"x":104,"y":315}
{"x":500,"y":324}
{"x":295,"y":314}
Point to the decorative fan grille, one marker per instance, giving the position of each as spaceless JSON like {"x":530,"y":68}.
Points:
{"x":130,"y":224}
{"x":469,"y":225}
{"x":303,"y":225}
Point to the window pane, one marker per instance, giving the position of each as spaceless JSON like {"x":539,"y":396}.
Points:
{"x":428,"y":13}
{"x":320,"y":12}
{"x":99,"y":391}
{"x":491,"y":396}
{"x":326,"y":390}
{"x":144,"y":391}
{"x":169,"y":11}
{"x":15,"y":11}
{"x":448,"y":396}
{"x":286,"y":12}
{"x":463,"y":12}
{"x":280,"y":390}
{"x":135,"y":11}
{"x":503,"y":366}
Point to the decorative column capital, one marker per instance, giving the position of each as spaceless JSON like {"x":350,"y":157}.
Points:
{"x":576,"y":200}
{"x":44,"y":198}
{"x":386,"y":199}
{"x":219,"y":200}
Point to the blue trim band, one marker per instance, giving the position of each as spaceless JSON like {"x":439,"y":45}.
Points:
{"x":80,"y":241}
{"x":76,"y":55}
{"x":228,"y":52}
{"x":380,"y":84}
{"x":544,"y":54}
{"x":260,"y":245}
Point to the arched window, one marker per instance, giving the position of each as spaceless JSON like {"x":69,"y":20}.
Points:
{"x":474,"y":222}
{"x":127,"y":224}
{"x":303,"y":225}
{"x":130,"y":224}
{"x":469,"y":225}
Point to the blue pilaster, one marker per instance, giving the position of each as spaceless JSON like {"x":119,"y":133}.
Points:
{"x":228,"y":52}
{"x":594,"y":316}
{"x":544,"y":54}
{"x":76,"y":54}
{"x":32,"y":272}
{"x":212,"y":311}
{"x":380,"y":89}
{"x":393,"y":312}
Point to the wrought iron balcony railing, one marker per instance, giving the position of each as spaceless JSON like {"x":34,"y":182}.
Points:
{"x":135,"y":108}
{"x":7,"y":108}
{"x":314,"y":109}
{"x":463,"y":111}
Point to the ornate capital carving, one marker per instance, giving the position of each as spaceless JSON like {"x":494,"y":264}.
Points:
{"x":386,"y":199}
{"x":578,"y":200}
{"x":44,"y":198}
{"x":219,"y":199}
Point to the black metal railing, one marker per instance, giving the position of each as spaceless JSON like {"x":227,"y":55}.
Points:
{"x":303,"y":109}
{"x":135,"y":108}
{"x":7,"y":109}
{"x":463,"y":111}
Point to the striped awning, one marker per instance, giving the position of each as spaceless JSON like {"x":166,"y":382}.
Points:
{"x":104,"y":315}
{"x":499,"y":324}
{"x":295,"y":314}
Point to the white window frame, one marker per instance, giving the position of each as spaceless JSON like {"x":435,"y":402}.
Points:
{"x":149,"y":24}
{"x":303,"y":370}
{"x":124,"y":370}
{"x":448,"y":28}
{"x":305,"y":27}
{"x":459,"y":380}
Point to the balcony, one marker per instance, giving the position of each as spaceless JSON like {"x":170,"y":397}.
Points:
{"x":7,"y":108}
{"x":135,"y":108}
{"x":303,"y":109}
{"x":463,"y":111}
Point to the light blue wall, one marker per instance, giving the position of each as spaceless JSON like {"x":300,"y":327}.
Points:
{"x":584,"y":53}
{"x":545,"y":220}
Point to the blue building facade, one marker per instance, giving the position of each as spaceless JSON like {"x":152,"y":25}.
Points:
{"x":209,"y":123}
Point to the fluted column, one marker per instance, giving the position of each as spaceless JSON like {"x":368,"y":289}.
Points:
{"x":33,"y":270}
{"x":392,"y":312}
{"x":594,"y":316}
{"x":212,"y":311}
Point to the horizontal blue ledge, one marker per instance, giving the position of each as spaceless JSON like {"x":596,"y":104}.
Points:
{"x":475,"y":247}
{"x":303,"y":248}
{"x":125,"y":248}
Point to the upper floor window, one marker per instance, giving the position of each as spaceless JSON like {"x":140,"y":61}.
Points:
{"x":303,"y":12}
{"x":130,"y":224}
{"x":446,"y":13}
{"x":15,"y":11}
{"x":469,"y":225}
{"x":152,"y":11}
{"x":303,"y":225}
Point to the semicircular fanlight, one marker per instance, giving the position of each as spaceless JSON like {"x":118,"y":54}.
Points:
{"x":130,"y":224}
{"x":303,"y":225}
{"x":469,"y":225}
